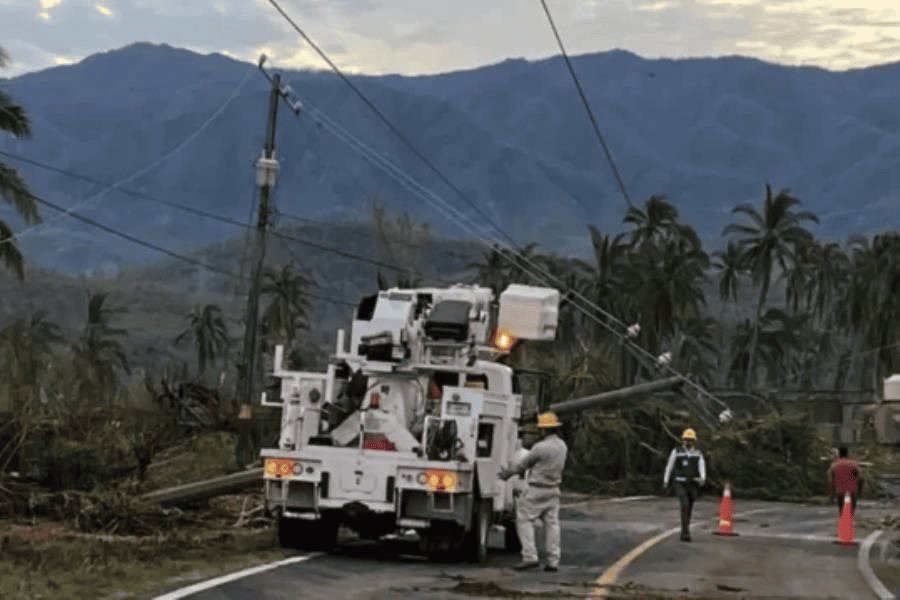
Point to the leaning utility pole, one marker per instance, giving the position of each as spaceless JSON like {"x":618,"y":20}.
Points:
{"x":266,"y":169}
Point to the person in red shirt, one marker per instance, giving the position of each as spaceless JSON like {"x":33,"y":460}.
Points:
{"x":844,"y":477}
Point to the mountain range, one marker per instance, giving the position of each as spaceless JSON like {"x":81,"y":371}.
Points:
{"x":513,"y":137}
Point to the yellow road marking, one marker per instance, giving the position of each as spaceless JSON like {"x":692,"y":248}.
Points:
{"x":610,"y":576}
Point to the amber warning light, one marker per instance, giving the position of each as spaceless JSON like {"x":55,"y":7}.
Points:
{"x":503,"y":341}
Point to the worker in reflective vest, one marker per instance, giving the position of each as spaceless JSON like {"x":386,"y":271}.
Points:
{"x":687,"y":469}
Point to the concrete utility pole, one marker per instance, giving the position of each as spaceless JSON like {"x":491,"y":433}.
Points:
{"x":266,"y":170}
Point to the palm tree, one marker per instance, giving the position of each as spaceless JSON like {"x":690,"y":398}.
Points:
{"x":651,"y":223}
{"x":667,"y":286}
{"x":774,"y":342}
{"x":694,"y":348}
{"x":664,"y":274}
{"x":288,"y":309}
{"x":831,"y":271}
{"x":98,"y":354}
{"x":608,"y":272}
{"x":729,"y":264}
{"x":26,"y":346}
{"x":13,"y":189}
{"x":772,"y":239}
{"x":209,"y":332}
{"x":493,"y":270}
{"x":400,"y":241}
{"x":522,"y":269}
{"x":783,"y":344}
{"x":870,"y":312}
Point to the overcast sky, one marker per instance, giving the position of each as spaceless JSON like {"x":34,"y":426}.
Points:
{"x":428,"y":36}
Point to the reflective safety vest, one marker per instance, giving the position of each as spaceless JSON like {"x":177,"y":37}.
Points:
{"x":687,"y":466}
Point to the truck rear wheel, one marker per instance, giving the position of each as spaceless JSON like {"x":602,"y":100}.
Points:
{"x":511,"y":537}
{"x":288,"y":533}
{"x":300,"y":534}
{"x":475,"y":544}
{"x":442,"y":541}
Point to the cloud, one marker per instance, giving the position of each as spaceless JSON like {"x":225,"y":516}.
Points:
{"x":415,"y":37}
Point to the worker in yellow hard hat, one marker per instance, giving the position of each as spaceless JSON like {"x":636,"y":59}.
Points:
{"x":688,"y":469}
{"x":540,"y":501}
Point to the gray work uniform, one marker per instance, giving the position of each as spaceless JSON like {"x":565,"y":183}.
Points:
{"x":540,"y":501}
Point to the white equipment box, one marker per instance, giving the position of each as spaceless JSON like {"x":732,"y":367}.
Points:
{"x":529,"y":313}
{"x":892,"y":388}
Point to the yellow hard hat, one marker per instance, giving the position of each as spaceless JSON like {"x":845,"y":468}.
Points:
{"x":689,"y":434}
{"x":548,"y":419}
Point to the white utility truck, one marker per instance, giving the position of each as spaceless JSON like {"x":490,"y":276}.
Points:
{"x":408,"y":428}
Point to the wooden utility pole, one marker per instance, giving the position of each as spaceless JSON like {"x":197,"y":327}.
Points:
{"x":266,"y":169}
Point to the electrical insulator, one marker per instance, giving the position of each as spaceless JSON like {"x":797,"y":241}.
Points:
{"x":664,"y":359}
{"x":266,"y":170}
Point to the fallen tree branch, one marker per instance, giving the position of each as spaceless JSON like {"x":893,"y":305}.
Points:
{"x":651,"y":448}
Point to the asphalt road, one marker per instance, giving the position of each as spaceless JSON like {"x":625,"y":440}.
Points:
{"x":783,"y":551}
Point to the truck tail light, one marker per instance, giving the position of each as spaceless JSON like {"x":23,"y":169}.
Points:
{"x":439,"y":480}
{"x":375,"y":400}
{"x":279,"y":467}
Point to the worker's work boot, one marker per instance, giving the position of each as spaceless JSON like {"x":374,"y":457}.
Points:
{"x":685,"y":537}
{"x":522,"y":566}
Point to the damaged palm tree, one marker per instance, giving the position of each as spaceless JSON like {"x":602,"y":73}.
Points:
{"x":13,"y":188}
{"x":191,"y":405}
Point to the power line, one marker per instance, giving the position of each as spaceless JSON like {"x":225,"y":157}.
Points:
{"x":443,"y":206}
{"x":587,"y":106}
{"x":387,"y":122}
{"x":98,"y":196}
{"x":210,"y":215}
{"x":376,"y":156}
{"x":167,"y":252}
{"x":135,"y":240}
{"x":279,"y":213}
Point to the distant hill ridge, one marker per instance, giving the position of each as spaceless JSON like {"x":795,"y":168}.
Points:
{"x":708,"y":133}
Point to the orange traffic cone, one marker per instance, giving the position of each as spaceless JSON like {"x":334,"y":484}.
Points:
{"x":845,"y":523}
{"x":726,"y":513}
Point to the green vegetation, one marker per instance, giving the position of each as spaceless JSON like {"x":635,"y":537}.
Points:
{"x":13,"y":188}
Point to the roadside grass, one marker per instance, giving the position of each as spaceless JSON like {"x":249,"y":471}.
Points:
{"x":40,"y":563}
{"x":198,"y":457}
{"x":62,"y":549}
